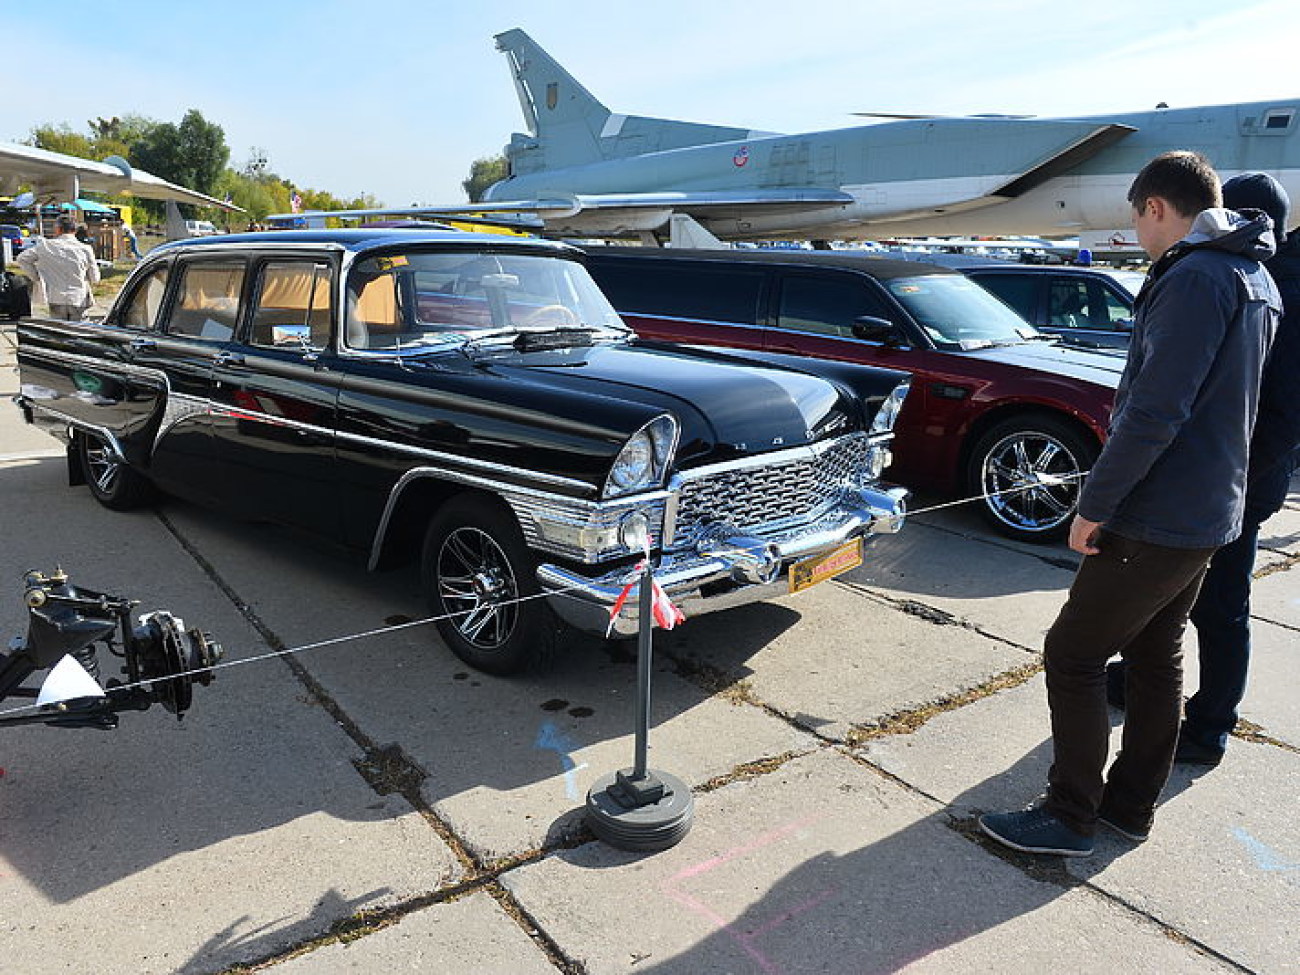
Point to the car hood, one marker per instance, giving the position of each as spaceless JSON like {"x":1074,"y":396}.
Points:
{"x":725,"y":409}
{"x":1090,"y":365}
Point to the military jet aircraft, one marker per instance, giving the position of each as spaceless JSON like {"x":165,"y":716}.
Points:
{"x":588,"y":172}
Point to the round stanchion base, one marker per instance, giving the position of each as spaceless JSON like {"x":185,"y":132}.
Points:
{"x":649,"y":814}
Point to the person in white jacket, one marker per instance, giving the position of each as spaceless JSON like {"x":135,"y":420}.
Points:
{"x":66,"y":270}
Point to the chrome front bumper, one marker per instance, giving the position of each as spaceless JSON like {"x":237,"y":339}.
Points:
{"x":742,"y":569}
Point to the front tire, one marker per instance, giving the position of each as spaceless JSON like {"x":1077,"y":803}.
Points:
{"x":111,"y":480}
{"x":478,"y":575}
{"x":1029,"y":471}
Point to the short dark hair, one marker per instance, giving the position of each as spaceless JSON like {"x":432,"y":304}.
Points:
{"x":65,"y":225}
{"x":1184,"y":178}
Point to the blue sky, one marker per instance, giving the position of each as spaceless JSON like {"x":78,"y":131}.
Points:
{"x":398,"y":98}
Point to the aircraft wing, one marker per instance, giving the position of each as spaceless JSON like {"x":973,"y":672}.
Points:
{"x":612,"y":212}
{"x":68,"y":176}
{"x":1059,"y":158}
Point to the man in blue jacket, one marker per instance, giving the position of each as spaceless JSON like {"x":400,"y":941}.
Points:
{"x":1167,"y":490}
{"x":1221,"y":614}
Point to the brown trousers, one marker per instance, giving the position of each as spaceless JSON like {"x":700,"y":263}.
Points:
{"x":1133,"y":599}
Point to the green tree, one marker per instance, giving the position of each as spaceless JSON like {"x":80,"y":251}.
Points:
{"x":193,"y":154}
{"x":482,"y":174}
{"x":62,"y":139}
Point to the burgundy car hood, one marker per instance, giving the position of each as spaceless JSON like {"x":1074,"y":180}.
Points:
{"x":1101,"y":368}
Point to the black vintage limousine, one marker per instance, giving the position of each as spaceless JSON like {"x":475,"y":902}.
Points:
{"x":473,"y":402}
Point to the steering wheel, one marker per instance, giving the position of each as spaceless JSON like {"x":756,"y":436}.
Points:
{"x":566,"y":313}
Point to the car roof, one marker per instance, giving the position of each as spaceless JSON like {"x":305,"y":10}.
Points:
{"x":877,"y":267}
{"x":363,"y":240}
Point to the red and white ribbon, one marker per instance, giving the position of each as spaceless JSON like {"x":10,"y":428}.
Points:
{"x":662,"y":609}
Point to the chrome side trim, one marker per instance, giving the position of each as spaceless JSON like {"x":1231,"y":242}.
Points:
{"x":192,"y":405}
{"x":72,"y":423}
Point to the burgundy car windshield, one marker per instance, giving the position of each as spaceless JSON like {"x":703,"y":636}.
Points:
{"x":956,"y":312}
{"x":421,"y":298}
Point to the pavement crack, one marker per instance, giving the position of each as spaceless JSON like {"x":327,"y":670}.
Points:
{"x":924,"y":611}
{"x":388,"y":770}
{"x":908,"y":721}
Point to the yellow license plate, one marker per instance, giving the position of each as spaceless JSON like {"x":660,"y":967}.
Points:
{"x":819,"y":568}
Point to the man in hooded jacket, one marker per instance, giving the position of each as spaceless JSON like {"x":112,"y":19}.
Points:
{"x":1167,"y":490}
{"x":1221,"y":614}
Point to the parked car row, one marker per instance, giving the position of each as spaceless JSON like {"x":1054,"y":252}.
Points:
{"x":997,"y":410}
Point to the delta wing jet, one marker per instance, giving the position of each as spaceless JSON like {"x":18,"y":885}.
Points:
{"x":923,"y":176}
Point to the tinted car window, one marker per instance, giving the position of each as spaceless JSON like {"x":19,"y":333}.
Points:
{"x":293,"y":305}
{"x":827,"y":304}
{"x":209,"y":301}
{"x":681,"y":291}
{"x":1018,"y":292}
{"x":1067,"y":304}
{"x":142,"y":309}
{"x":1109,"y":306}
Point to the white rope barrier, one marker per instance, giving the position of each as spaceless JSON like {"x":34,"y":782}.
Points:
{"x":396,"y":627}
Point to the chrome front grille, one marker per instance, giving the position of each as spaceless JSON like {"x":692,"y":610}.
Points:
{"x":770,"y":491}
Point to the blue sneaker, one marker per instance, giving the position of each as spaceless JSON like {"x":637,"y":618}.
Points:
{"x":1035,"y":830}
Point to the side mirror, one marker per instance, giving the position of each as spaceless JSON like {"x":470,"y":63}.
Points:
{"x":872,"y":329}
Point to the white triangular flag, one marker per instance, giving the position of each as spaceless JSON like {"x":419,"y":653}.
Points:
{"x":67,"y":682}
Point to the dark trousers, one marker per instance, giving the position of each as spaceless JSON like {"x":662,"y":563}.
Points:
{"x":1132,"y":599}
{"x":1222,"y":619}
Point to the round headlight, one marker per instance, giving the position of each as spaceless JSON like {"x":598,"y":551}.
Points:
{"x":634,"y":532}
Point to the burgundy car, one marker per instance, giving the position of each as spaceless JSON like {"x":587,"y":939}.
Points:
{"x":997,"y":409}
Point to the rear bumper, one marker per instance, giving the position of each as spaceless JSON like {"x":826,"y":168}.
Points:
{"x":723,"y":571}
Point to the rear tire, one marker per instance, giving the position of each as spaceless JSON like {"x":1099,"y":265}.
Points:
{"x":478,"y":574}
{"x":111,"y":480}
{"x":1028,"y":471}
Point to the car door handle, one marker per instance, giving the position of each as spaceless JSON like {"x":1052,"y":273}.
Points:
{"x":141,"y":344}
{"x":228,"y":359}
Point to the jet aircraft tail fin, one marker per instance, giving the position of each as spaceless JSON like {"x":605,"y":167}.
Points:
{"x":569,"y":126}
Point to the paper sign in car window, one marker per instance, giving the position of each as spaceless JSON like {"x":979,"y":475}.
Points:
{"x":388,"y":263}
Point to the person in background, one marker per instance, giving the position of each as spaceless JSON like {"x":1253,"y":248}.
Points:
{"x":129,"y":236}
{"x":66,"y":270}
{"x":1167,"y":490}
{"x":1221,"y":614}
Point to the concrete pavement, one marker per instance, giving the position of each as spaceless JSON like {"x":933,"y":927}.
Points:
{"x":375,"y":806}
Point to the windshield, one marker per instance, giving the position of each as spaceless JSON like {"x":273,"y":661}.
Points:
{"x":400,"y":299}
{"x":956,"y":312}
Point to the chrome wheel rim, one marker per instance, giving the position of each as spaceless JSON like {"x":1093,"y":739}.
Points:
{"x":1031,"y":481}
{"x":102,"y":467}
{"x":477,"y":586}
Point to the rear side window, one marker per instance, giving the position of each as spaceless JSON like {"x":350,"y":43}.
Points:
{"x":293,"y":306}
{"x":827,"y":304}
{"x":707,"y":292}
{"x":142,"y":309}
{"x":208,"y":305}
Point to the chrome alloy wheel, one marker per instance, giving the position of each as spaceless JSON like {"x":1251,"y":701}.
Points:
{"x":103,"y":468}
{"x":477,"y":585}
{"x":1031,"y":481}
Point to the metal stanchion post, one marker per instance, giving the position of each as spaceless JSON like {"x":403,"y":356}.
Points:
{"x":641,"y":808}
